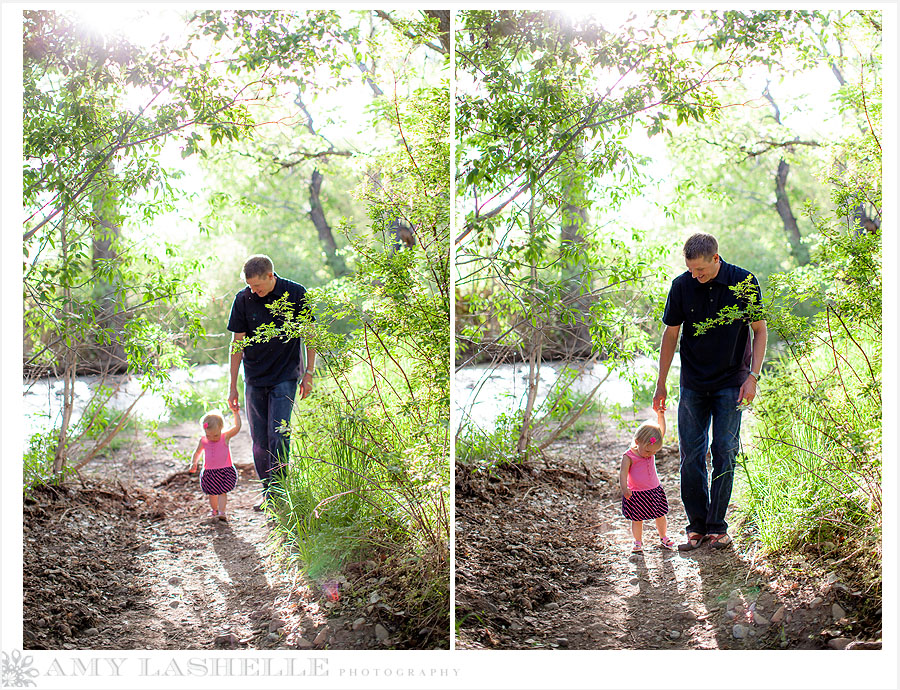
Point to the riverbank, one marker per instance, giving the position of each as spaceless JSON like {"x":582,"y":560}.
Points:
{"x":125,"y":557}
{"x":543,"y":560}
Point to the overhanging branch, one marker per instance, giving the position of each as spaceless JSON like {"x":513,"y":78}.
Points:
{"x":401,"y":27}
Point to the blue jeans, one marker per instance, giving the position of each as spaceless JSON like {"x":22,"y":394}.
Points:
{"x":269,"y":407}
{"x":705,"y":502}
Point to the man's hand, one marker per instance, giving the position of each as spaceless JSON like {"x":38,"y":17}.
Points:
{"x":233,"y":400}
{"x":306,"y":385}
{"x":748,"y":391}
{"x":659,"y":398}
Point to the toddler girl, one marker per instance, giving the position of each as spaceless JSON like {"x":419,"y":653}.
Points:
{"x":643,"y":497}
{"x":219,"y":475}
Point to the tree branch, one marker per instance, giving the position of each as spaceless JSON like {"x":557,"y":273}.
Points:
{"x":401,"y":27}
{"x":371,"y":84}
{"x":304,"y":156}
{"x":768,"y":145}
{"x":768,"y":97}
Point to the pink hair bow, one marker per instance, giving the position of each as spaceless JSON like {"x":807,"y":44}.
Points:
{"x":653,"y":439}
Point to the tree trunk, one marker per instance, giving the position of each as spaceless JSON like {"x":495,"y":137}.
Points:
{"x":862,"y":222}
{"x":317,"y":214}
{"x":69,"y":359}
{"x":577,"y":335}
{"x":443,"y":17}
{"x":109,"y":357}
{"x":783,"y":206}
{"x":62,"y":441}
{"x":535,"y":354}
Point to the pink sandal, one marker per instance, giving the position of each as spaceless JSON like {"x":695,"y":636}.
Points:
{"x":638,"y":547}
{"x":667,"y":543}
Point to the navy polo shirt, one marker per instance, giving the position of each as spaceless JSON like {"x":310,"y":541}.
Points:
{"x":720,"y":358}
{"x":278,"y":360}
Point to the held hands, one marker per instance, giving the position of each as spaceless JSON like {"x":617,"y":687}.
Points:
{"x":233,"y":400}
{"x":659,"y":398}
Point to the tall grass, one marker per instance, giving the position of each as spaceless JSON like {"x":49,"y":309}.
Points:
{"x":368,"y":481}
{"x":813,"y":475}
{"x":337,"y":499}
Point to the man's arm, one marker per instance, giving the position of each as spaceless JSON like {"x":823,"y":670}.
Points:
{"x":237,"y":355}
{"x":760,"y":338}
{"x":758,"y":353}
{"x":666,"y":355}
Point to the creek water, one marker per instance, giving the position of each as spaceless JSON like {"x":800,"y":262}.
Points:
{"x":42,"y":400}
{"x":483,"y":392}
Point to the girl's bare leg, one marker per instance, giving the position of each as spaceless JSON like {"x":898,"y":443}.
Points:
{"x":223,"y":503}
{"x":637,"y":529}
{"x":213,"y":503}
{"x":661,"y":526}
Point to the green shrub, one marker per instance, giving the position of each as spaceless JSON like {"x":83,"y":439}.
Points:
{"x":814,"y":473}
{"x":193,"y":400}
{"x":339,"y":491}
{"x":476,"y":447}
{"x":38,"y":462}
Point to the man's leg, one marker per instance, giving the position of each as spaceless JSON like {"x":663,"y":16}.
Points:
{"x":726,"y":426}
{"x":280,"y":406}
{"x":694,"y":416}
{"x":256,"y":401}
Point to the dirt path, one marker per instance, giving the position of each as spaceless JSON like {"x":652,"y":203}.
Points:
{"x":543,"y":560}
{"x":121,"y":561}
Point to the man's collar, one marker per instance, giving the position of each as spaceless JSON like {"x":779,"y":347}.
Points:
{"x":724,"y":272}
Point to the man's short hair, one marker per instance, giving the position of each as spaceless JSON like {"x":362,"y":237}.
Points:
{"x":701,"y":244}
{"x":256,"y":266}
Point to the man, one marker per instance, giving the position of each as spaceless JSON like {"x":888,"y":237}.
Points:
{"x":719,"y":371}
{"x":271,"y":369}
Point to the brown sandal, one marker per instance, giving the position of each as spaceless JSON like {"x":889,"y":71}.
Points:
{"x":720,"y":541}
{"x":694,"y":541}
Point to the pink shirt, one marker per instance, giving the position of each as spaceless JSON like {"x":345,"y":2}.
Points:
{"x":642,"y":472}
{"x":215,"y":453}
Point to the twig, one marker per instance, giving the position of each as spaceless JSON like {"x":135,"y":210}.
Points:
{"x":109,"y":437}
{"x":752,"y":562}
{"x":328,"y":500}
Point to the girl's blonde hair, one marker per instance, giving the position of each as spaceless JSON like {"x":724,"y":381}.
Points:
{"x":214,"y":420}
{"x":650,"y":433}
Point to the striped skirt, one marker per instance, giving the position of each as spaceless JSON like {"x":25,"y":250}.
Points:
{"x":219,"y":480}
{"x":645,"y":505}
